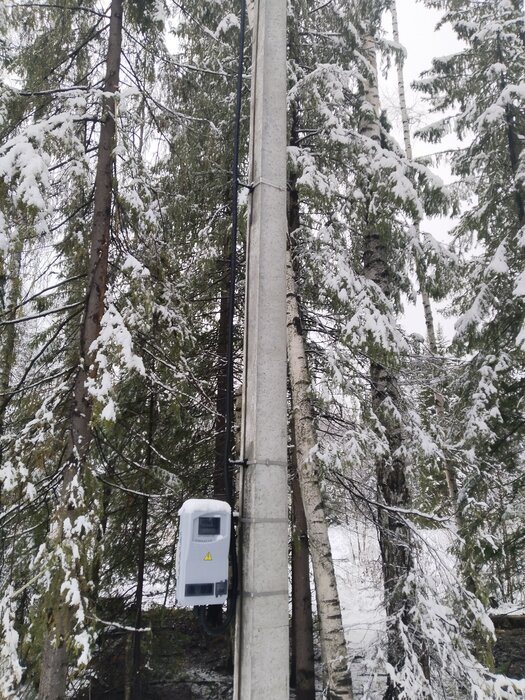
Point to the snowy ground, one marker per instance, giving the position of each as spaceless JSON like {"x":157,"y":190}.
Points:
{"x":356,"y":558}
{"x":357,"y":561}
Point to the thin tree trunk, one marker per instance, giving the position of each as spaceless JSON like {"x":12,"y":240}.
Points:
{"x":513,"y":142}
{"x":134,"y":682}
{"x":514,"y":147}
{"x":420,"y":270}
{"x":303,"y":668}
{"x":53,"y":678}
{"x":136,"y":679}
{"x":104,"y":516}
{"x":391,"y":471}
{"x":450,"y":473}
{"x":220,"y":488}
{"x":10,"y":287}
{"x":10,"y":292}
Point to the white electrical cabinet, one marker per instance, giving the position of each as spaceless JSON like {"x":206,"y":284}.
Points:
{"x":202,"y":552}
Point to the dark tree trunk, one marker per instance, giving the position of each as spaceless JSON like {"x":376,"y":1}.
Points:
{"x":104,"y":515}
{"x":303,"y":669}
{"x":10,"y":287}
{"x":136,"y":656}
{"x":54,"y":667}
{"x":514,"y":149}
{"x":514,"y":143}
{"x":302,"y":646}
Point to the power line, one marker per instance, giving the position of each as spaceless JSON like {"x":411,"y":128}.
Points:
{"x":229,"y":398}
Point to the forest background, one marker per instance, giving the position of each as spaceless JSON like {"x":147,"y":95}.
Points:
{"x":116,"y":132}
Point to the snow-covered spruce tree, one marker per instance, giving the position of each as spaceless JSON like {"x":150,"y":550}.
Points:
{"x":408,"y":664}
{"x":44,"y":138}
{"x":421,"y":645}
{"x":336,"y":673}
{"x":154,"y":432}
{"x":145,"y":428}
{"x":56,"y":130}
{"x":69,"y":523}
{"x":479,"y":92}
{"x":435,"y":369}
{"x":334,"y":116}
{"x":350,"y":182}
{"x":328,"y":90}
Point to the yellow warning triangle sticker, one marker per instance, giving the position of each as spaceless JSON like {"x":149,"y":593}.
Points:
{"x":207,"y":557}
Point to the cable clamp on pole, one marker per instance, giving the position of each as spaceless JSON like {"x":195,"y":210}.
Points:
{"x":237,"y":463}
{"x":256,"y":521}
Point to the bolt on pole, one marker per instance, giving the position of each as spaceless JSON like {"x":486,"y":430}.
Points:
{"x":262,"y":635}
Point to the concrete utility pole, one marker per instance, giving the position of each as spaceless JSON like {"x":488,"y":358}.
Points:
{"x":262,"y":639}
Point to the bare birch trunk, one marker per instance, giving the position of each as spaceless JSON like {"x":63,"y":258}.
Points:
{"x":333,"y":646}
{"x":337,"y":678}
{"x":53,"y":678}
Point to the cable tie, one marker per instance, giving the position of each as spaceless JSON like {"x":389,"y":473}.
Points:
{"x":262,"y":594}
{"x":266,"y":462}
{"x":255,"y":521}
{"x":262,"y":181}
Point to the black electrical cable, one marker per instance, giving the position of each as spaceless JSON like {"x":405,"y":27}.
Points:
{"x":229,"y":401}
{"x":229,"y":407}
